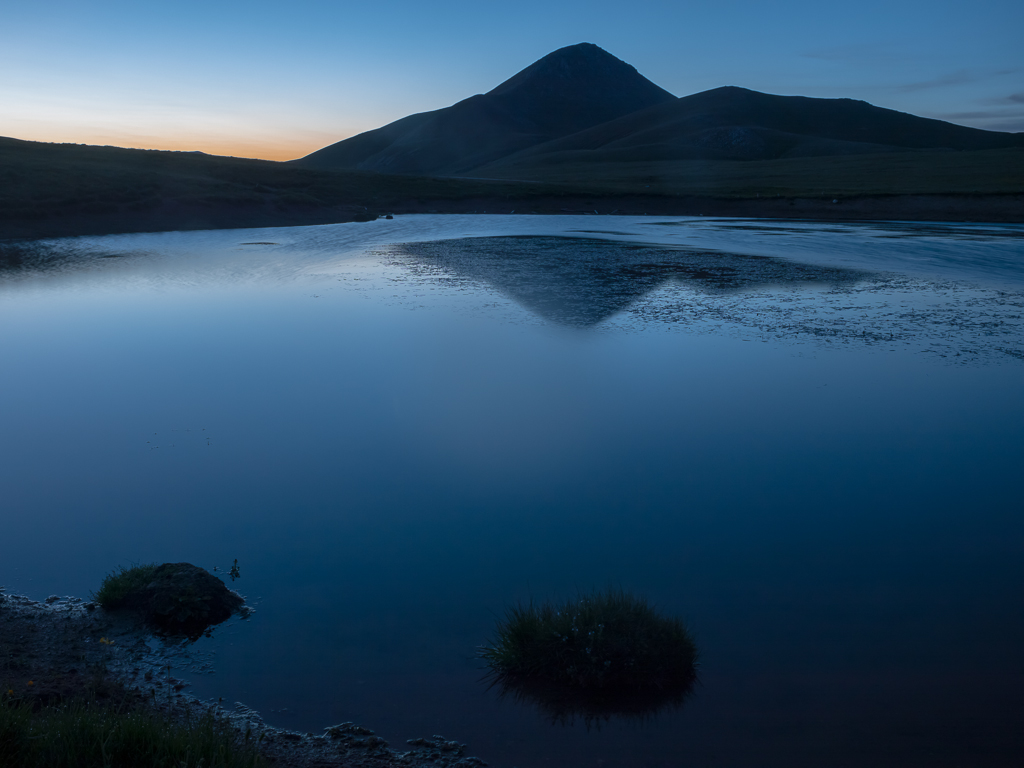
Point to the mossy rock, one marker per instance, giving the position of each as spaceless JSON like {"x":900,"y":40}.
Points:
{"x":174,"y":598}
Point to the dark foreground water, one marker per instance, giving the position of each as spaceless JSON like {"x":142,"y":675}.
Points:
{"x":806,"y":440}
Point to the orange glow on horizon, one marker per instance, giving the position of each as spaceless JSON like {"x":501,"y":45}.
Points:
{"x":250,"y":148}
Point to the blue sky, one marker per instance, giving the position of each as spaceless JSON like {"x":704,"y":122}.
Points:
{"x":279,"y":80}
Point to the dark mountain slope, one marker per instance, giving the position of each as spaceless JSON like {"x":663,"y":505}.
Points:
{"x":563,"y":93}
{"x":738,"y":124}
{"x":53,"y":190}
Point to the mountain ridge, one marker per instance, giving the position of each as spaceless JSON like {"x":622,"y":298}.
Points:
{"x":582,"y":104}
{"x":732,"y":123}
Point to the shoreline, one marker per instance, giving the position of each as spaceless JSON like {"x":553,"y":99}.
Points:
{"x":65,"y":648}
{"x":174,"y":216}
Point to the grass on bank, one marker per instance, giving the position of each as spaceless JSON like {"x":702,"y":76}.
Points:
{"x":55,"y":190}
{"x":117,"y":585}
{"x":922,"y":172}
{"x":89,"y":735}
{"x":605,"y":641}
{"x":52,"y":190}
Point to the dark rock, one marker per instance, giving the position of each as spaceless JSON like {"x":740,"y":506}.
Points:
{"x":183,"y":599}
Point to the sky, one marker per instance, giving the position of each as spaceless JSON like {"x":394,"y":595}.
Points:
{"x":279,"y":80}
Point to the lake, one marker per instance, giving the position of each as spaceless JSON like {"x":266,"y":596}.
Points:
{"x":805,"y":439}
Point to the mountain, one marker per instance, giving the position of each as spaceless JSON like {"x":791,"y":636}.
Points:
{"x":565,"y":92}
{"x":578,"y":131}
{"x":580,"y":108}
{"x":738,"y":124}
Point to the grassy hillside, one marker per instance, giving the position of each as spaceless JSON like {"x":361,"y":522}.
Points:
{"x":51,"y":190}
{"x":59,"y":189}
{"x":739,"y":124}
{"x":935,"y":172}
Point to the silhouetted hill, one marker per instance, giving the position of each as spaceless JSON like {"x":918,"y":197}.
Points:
{"x":563,"y":93}
{"x":579,"y":131}
{"x":738,"y":124}
{"x":51,"y":190}
{"x":591,"y":115}
{"x":54,"y":190}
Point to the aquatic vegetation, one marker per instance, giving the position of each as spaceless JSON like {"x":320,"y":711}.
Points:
{"x":85,"y":734}
{"x":596,"y":655}
{"x":118,"y":584}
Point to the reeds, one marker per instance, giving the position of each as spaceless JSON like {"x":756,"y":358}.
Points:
{"x":87,"y":735}
{"x":117,"y":585}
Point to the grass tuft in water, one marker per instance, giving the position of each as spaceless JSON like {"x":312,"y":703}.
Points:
{"x":605,"y":642}
{"x":87,"y":735}
{"x":117,"y":585}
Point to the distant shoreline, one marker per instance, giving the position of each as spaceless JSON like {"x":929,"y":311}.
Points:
{"x":987,"y":208}
{"x":51,"y":190}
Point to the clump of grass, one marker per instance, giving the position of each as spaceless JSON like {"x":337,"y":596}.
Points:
{"x":599,"y":653}
{"x":117,"y":585}
{"x":173,"y":598}
{"x":87,"y":735}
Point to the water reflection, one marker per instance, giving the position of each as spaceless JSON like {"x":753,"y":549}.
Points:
{"x":36,"y":258}
{"x":562,"y":705}
{"x":16,"y":256}
{"x":581,"y":283}
{"x":393,"y":457}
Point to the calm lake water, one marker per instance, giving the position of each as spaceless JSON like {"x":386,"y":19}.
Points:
{"x":805,"y":439}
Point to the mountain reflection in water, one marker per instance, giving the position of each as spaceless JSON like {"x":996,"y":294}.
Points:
{"x":566,"y":707}
{"x":581,"y":283}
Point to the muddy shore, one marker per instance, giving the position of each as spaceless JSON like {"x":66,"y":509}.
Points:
{"x":66,"y":647}
{"x":174,"y":216}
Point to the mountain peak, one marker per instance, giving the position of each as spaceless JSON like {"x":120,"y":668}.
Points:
{"x":583,"y":61}
{"x":568,"y":90}
{"x":582,"y":67}
{"x":575,"y":87}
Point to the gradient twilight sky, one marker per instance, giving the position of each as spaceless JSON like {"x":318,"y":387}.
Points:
{"x":279,"y":80}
